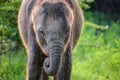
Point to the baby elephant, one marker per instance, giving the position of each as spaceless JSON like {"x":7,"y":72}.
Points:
{"x":49,"y":30}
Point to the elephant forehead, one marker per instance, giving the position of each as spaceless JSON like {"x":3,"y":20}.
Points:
{"x":54,"y":24}
{"x":56,"y":9}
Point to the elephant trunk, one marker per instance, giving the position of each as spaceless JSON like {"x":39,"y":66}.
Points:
{"x":52,"y":63}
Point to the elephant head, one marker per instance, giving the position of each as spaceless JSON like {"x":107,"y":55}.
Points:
{"x":52,"y":24}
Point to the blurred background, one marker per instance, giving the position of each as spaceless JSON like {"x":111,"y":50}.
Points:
{"x":96,"y":56}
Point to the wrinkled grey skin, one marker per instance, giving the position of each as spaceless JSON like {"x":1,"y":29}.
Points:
{"x":49,"y":30}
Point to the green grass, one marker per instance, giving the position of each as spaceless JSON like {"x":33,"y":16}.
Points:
{"x":13,"y":66}
{"x":96,"y":56}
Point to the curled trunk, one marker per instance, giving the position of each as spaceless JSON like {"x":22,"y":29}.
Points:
{"x":52,"y":63}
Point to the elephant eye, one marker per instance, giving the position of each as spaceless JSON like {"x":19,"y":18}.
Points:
{"x":41,"y":32}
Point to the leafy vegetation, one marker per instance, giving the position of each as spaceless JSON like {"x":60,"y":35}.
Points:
{"x":9,"y":37}
{"x":96,"y":57}
{"x":85,"y":3}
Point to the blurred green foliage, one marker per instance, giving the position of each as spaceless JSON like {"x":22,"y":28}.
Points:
{"x":96,"y":57}
{"x":9,"y":37}
{"x":85,"y":3}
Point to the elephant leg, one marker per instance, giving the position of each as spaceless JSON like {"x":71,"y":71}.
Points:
{"x":65,"y":68}
{"x":35,"y":62}
{"x":33,"y":67}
